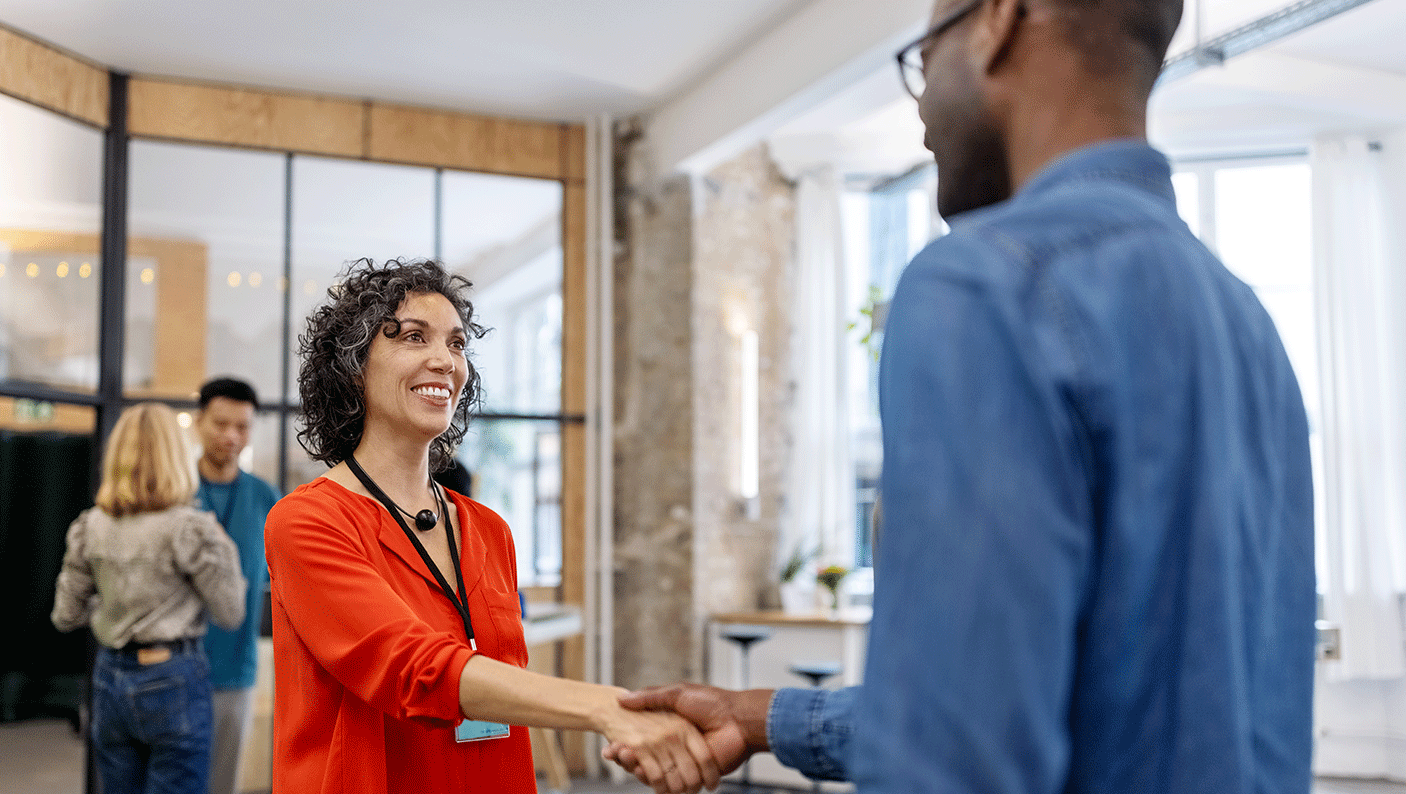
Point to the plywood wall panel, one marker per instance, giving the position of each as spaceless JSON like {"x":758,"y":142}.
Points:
{"x":574,"y":152}
{"x":457,"y":140}
{"x":246,"y":117}
{"x":573,"y":442}
{"x":53,"y":79}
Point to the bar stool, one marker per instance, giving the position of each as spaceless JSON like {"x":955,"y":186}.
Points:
{"x":816,"y":673}
{"x":744,"y":637}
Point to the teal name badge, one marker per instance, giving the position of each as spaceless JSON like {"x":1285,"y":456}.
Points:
{"x":478,"y":730}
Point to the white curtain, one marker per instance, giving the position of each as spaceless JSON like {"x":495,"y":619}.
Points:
{"x":1358,"y":271}
{"x":822,"y":505}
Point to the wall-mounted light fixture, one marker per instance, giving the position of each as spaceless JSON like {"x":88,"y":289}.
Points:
{"x":749,"y":474}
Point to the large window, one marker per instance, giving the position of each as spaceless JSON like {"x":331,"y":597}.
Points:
{"x":228,"y":252}
{"x":50,"y":272}
{"x":50,"y":181}
{"x":885,"y":225}
{"x":505,"y":235}
{"x":1255,"y":213}
{"x":207,"y":224}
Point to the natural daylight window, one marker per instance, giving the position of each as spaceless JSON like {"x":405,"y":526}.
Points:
{"x":885,"y":225}
{"x":1254,"y":213}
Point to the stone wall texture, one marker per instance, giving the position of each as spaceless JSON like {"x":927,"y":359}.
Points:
{"x":697,"y":261}
{"x":653,"y":492}
{"x":744,"y":267}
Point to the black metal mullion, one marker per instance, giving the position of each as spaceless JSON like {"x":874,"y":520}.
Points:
{"x":113,"y":275}
{"x":563,"y":418}
{"x":24,"y":390}
{"x":112,"y":310}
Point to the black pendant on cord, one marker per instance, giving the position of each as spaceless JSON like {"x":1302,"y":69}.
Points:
{"x":425,"y":520}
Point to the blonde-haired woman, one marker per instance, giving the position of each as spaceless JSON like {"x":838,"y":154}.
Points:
{"x":143,"y":567}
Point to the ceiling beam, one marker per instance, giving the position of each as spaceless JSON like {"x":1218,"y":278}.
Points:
{"x":1251,"y":36}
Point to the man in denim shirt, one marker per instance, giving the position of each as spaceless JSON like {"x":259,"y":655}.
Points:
{"x":1096,"y":567}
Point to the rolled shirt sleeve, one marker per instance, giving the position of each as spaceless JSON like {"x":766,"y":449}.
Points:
{"x":809,"y":730}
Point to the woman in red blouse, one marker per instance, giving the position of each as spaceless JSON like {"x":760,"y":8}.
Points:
{"x":398,"y":642}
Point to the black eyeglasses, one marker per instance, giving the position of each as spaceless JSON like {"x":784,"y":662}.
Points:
{"x":910,"y":61}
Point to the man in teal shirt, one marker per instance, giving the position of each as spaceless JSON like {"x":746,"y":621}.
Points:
{"x":241,"y":502}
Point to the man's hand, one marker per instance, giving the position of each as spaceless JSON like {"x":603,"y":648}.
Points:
{"x":733,"y":723}
{"x":671,"y":756}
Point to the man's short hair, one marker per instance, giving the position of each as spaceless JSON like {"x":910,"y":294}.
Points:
{"x":1102,"y":29}
{"x":229,"y":388}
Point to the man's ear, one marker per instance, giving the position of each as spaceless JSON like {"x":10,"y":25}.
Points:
{"x":997,"y":24}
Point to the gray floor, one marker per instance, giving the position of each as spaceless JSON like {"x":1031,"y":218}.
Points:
{"x":45,"y":757}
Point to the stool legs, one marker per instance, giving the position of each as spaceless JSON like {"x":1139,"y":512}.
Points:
{"x":816,"y":673}
{"x":746,"y":648}
{"x":743,"y":637}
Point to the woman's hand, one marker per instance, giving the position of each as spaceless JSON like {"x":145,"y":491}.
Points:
{"x":672,"y":756}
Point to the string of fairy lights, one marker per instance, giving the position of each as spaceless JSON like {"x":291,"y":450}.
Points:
{"x":234,"y":278}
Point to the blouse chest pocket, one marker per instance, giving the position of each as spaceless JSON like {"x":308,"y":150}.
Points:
{"x":506,"y":614}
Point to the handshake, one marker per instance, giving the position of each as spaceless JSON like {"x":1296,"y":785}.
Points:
{"x":731,"y":725}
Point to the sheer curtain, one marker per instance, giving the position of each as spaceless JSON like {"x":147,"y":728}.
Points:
{"x":822,"y":472}
{"x":1358,"y":263}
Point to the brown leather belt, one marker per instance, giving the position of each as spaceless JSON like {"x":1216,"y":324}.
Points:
{"x":158,"y":652}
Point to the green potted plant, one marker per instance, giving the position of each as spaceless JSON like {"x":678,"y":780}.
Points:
{"x":797,"y":591}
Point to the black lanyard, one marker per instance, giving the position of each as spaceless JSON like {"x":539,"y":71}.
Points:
{"x":209,"y":494}
{"x":460,"y":602}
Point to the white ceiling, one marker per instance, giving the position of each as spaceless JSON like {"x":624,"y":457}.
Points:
{"x":1345,"y":74}
{"x":570,"y":59}
{"x":543,"y":59}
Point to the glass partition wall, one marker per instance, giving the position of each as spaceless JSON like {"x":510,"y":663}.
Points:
{"x":155,"y":233}
{"x":228,"y":251}
{"x":51,"y":179}
{"x":251,"y":242}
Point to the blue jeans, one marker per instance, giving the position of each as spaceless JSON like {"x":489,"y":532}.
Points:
{"x":151,"y":723}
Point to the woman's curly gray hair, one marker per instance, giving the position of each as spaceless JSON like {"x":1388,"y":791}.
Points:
{"x":337,"y":341}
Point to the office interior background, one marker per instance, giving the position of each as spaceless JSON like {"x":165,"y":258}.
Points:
{"x":683,"y":221}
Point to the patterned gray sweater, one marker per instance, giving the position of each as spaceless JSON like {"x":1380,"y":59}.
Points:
{"x":148,"y":577}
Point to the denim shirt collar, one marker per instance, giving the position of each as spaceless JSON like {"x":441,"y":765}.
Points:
{"x":1130,"y":160}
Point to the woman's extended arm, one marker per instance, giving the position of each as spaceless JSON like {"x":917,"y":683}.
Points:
{"x":672,"y":754}
{"x":367,"y":637}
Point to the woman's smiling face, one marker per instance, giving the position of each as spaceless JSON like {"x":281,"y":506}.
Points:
{"x":414,"y":380}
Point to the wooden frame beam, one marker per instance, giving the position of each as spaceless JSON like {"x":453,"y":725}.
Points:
{"x":51,"y":78}
{"x":308,"y":124}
